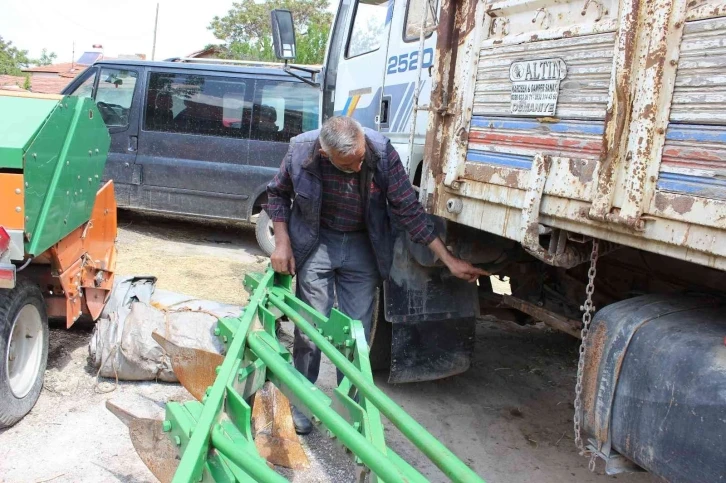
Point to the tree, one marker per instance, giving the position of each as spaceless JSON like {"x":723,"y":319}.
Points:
{"x":12,"y":59}
{"x":26,"y":83}
{"x":46,"y":58}
{"x":247,"y":33}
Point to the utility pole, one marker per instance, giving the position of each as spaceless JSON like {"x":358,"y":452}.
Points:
{"x":156,"y":23}
{"x":73,"y":56}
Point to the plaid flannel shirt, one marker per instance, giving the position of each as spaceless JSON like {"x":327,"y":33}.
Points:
{"x":342,"y":206}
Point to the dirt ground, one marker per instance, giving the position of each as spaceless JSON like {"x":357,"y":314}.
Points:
{"x":509,"y":417}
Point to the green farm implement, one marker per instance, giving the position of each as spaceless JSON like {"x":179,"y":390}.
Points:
{"x":57,"y":232}
{"x":219,"y":436}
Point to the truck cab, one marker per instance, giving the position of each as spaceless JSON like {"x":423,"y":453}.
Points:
{"x":374,"y":66}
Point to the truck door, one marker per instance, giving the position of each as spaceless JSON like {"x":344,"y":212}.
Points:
{"x":116,"y":91}
{"x":402,"y":75}
{"x":356,"y":60}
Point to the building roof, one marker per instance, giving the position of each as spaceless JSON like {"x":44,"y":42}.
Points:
{"x":206,"y":52}
{"x":62,"y":68}
{"x":49,"y":85}
{"x":11,"y":81}
{"x":42,"y":85}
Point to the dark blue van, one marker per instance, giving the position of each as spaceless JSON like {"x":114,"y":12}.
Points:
{"x":198,"y":139}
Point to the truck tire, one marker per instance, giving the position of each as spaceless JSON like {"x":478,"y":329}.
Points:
{"x":265,"y":233}
{"x":23,"y":350}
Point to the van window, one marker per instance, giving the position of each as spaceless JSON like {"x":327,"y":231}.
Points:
{"x":368,"y":25}
{"x":414,"y":17}
{"x":86,"y":88}
{"x":284,"y":110}
{"x":114,"y":94}
{"x":197,"y":104}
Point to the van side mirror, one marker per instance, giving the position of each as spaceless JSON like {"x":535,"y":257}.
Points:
{"x":283,"y":34}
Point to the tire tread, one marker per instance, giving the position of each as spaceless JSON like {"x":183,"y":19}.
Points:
{"x":266,"y":245}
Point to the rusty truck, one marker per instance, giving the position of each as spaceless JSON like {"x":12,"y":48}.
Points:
{"x":578,"y":148}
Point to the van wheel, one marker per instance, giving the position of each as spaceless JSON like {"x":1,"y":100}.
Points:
{"x":23,"y":350}
{"x":265,"y":233}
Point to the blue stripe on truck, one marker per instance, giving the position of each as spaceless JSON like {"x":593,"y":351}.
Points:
{"x":676,"y":135}
{"x":695,"y":132}
{"x":570,"y":127}
{"x":675,"y":132}
{"x":693,"y":185}
{"x":501,"y":159}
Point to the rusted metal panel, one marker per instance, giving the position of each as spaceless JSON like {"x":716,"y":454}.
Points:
{"x":466,"y":62}
{"x":681,"y":240}
{"x":641,"y":91}
{"x":689,"y":209}
{"x":518,"y":21}
{"x":700,"y":85}
{"x":694,"y":155}
{"x":662,"y":34}
{"x":695,"y":150}
{"x":529,"y":137}
{"x":633,"y":158}
{"x":583,"y":94}
{"x":700,"y":9}
{"x":568,"y":177}
{"x":498,"y":209}
{"x":456,"y":23}
{"x":617,"y":115}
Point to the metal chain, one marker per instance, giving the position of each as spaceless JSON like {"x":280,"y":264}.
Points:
{"x":587,"y":309}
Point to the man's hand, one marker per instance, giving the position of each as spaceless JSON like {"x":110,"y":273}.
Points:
{"x":282,"y":259}
{"x":459,"y":268}
{"x":465,"y":270}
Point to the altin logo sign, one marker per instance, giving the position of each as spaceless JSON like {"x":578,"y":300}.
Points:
{"x":536,"y":86}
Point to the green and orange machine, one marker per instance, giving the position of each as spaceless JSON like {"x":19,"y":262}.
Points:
{"x":57,"y":232}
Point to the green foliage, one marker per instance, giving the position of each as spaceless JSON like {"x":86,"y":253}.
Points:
{"x":247,"y":33}
{"x":46,"y":58}
{"x":26,"y":83}
{"x":12,"y":59}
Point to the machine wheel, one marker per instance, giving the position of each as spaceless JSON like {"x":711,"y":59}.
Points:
{"x":23,"y":350}
{"x":265,"y":233}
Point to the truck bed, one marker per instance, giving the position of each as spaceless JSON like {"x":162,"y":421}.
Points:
{"x":600,"y":118}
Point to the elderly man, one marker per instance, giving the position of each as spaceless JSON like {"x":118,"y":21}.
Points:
{"x":330,"y":205}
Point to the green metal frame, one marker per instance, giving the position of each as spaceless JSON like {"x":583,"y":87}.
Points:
{"x":63,"y":166}
{"x":215,"y":435}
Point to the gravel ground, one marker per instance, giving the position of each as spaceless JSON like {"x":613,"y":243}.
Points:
{"x":509,"y":417}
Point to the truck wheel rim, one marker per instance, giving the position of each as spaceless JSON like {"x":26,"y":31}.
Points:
{"x":25,"y":351}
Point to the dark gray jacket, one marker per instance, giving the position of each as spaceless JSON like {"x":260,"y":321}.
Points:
{"x":303,"y":165}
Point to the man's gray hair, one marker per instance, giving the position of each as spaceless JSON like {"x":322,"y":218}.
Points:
{"x":341,"y":134}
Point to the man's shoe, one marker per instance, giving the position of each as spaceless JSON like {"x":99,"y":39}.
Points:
{"x":301,"y":422}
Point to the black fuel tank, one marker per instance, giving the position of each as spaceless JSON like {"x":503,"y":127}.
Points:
{"x":655,"y":385}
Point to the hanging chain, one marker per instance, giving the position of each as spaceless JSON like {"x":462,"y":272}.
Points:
{"x":587,"y":309}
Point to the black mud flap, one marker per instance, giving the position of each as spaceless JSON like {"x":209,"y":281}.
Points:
{"x":433,"y":317}
{"x":431,"y":350}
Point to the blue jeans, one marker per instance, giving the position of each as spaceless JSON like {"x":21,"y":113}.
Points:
{"x":343,"y":263}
